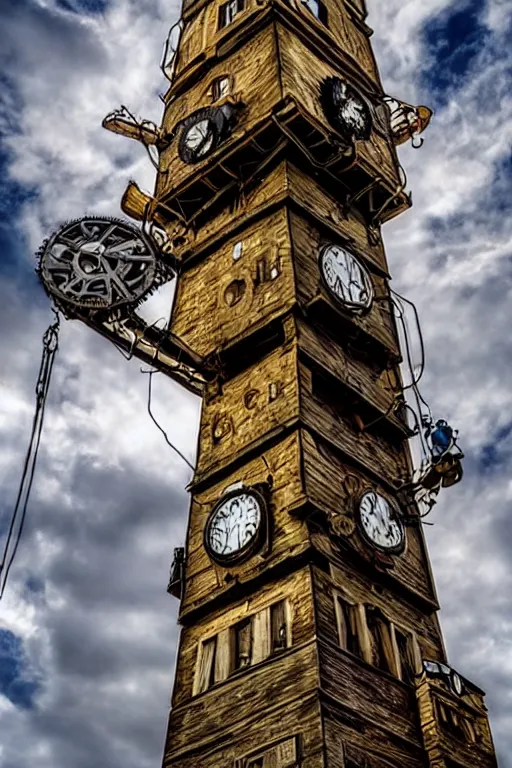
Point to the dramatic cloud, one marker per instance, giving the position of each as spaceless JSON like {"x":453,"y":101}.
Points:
{"x":87,"y":631}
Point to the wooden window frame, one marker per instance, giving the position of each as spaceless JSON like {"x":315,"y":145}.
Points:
{"x":413,"y":651}
{"x":214,"y":92}
{"x":226,"y":15}
{"x":341,"y":622}
{"x":197,"y":688}
{"x":322,"y":16}
{"x":223,"y":663}
{"x":245,"y":624}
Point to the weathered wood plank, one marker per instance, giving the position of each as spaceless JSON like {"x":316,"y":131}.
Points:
{"x":224,"y":297}
{"x":281,"y":680}
{"x":366,"y":740}
{"x":256,"y":401}
{"x":273,"y":723}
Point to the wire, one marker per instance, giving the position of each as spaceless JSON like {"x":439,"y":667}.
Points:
{"x":140,"y":126}
{"x":50,"y":347}
{"x":155,"y":422}
{"x":418,"y":327}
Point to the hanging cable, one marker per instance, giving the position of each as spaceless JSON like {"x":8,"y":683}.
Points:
{"x":418,"y":328}
{"x":50,"y":347}
{"x":155,"y":422}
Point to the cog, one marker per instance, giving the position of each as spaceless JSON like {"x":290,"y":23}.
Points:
{"x":98,"y":263}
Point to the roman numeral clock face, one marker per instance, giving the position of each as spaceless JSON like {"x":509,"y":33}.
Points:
{"x":234,"y":528}
{"x":346,"y":278}
{"x":380,"y":523}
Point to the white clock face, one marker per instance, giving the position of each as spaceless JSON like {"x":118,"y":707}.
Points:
{"x":234,"y":525}
{"x":457,"y":683}
{"x":380,"y":523}
{"x":199,"y":138}
{"x":345,"y":277}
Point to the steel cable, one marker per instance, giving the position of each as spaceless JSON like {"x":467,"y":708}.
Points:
{"x":50,"y":347}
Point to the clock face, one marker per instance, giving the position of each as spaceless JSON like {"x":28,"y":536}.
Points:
{"x":457,"y":683}
{"x":346,"y":109}
{"x":380,"y":523}
{"x":234,"y":526}
{"x":345,"y":277}
{"x":199,"y":138}
{"x":204,"y":130}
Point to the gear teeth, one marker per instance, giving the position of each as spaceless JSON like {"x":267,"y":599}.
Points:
{"x":156,"y":272}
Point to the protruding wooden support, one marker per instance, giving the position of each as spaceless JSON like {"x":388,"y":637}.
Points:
{"x":120,"y":121}
{"x":135,"y":203}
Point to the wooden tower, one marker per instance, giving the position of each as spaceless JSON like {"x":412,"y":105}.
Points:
{"x":309,"y":615}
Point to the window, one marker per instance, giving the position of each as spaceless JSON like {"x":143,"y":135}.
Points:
{"x":346,"y":615}
{"x":450,"y":720}
{"x":229,"y":10}
{"x":220,"y":87}
{"x":318,"y":9}
{"x":205,"y":673}
{"x":383,"y":652}
{"x":278,"y":627}
{"x":242,"y":635}
{"x":248,"y":642}
{"x":406,"y":656}
{"x":237,"y":250}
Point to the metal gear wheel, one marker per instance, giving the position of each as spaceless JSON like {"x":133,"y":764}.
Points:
{"x":98,"y":263}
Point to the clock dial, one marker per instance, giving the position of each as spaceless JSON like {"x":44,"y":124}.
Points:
{"x":199,"y":138}
{"x":345,"y":277}
{"x":380,"y":523}
{"x":346,"y":109}
{"x":204,"y":130}
{"x":234,"y":526}
{"x":457,"y":683}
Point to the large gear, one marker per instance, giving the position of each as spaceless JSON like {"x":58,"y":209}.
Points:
{"x":98,"y":263}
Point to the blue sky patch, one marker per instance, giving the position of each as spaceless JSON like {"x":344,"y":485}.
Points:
{"x":14,"y":683}
{"x":491,"y":454}
{"x":83,"y":6}
{"x":452,"y":41}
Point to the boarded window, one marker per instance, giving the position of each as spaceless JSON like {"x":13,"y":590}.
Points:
{"x":383,"y":652}
{"x":261,"y":636}
{"x":278,"y":626}
{"x":205,"y":672}
{"x":346,"y":617}
{"x":223,"y":656}
{"x":242,"y":636}
{"x":405,"y":649}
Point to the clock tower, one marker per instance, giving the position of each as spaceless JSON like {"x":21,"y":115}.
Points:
{"x":309,"y":615}
{"x":310,"y":636}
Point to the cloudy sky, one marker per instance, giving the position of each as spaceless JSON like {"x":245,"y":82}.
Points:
{"x":87,"y":631}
